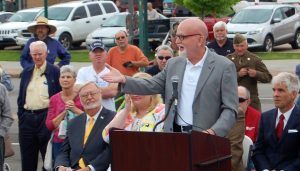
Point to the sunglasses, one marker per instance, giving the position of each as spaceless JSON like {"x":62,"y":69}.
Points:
{"x":120,"y":38}
{"x":241,"y":100}
{"x":164,"y":57}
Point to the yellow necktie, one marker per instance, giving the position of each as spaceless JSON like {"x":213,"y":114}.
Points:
{"x":86,"y":135}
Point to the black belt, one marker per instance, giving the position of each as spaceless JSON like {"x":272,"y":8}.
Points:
{"x":36,"y":111}
{"x":180,"y":128}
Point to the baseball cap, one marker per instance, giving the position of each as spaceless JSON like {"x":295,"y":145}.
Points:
{"x":97,"y":44}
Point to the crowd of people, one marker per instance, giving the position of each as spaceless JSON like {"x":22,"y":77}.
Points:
{"x":217,"y":94}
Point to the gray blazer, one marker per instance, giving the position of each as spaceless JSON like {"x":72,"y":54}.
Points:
{"x":6,"y":118}
{"x":215,"y":102}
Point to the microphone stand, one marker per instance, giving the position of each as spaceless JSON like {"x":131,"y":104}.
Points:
{"x":172,"y":100}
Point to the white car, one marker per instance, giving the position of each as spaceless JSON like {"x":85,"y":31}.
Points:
{"x":75,"y":20}
{"x":4,"y":16}
{"x":266,"y":26}
{"x":20,"y":20}
{"x":106,"y":33}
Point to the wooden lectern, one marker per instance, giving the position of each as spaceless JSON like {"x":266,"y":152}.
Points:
{"x":153,"y":151}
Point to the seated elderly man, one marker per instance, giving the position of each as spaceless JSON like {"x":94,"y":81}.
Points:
{"x":162,"y":55}
{"x":84,"y":148}
{"x":277,"y":146}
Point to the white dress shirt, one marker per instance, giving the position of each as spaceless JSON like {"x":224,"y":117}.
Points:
{"x":189,"y":85}
{"x":286,"y":116}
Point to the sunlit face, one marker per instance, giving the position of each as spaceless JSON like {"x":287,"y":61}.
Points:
{"x":162,"y":57}
{"x":41,"y":31}
{"x":39,"y":55}
{"x":188,"y":42}
{"x":241,"y":48}
{"x":282,"y":98}
{"x":66,"y":80}
{"x":121,"y":39}
{"x":220,"y":33}
{"x":140,"y":101}
{"x":90,"y":96}
{"x":98,"y":56}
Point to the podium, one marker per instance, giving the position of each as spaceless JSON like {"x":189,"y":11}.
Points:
{"x":153,"y":151}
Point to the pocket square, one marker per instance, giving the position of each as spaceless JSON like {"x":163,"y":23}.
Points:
{"x":292,"y":131}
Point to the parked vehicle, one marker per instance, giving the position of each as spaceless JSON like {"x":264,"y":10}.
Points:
{"x":266,"y":26}
{"x":209,"y":21}
{"x":19,"y":20}
{"x":4,"y":16}
{"x":157,"y":30}
{"x":75,"y":20}
{"x":170,"y":9}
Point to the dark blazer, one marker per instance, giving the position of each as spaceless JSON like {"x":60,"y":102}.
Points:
{"x":52,"y":74}
{"x":96,"y":151}
{"x":269,"y":153}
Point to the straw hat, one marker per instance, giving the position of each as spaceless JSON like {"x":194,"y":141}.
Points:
{"x":41,"y":21}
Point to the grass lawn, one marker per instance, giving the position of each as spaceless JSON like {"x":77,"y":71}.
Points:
{"x":82,"y":55}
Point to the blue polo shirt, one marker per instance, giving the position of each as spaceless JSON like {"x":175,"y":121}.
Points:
{"x":224,"y":50}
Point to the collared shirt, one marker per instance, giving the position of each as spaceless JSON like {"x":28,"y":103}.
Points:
{"x":86,"y":125}
{"x":225,"y":50}
{"x":37,"y":96}
{"x":86,"y":74}
{"x":286,"y":116}
{"x":190,"y":81}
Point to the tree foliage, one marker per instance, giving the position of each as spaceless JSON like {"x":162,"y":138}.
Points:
{"x":206,"y":7}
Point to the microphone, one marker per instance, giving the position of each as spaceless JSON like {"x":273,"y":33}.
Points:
{"x":174,"y":80}
{"x":174,"y":98}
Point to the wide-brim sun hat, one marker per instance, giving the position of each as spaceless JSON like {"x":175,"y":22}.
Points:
{"x":41,"y":21}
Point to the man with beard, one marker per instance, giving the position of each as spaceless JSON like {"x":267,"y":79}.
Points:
{"x":221,"y":45}
{"x":41,"y":30}
{"x":84,"y":148}
{"x":207,"y":86}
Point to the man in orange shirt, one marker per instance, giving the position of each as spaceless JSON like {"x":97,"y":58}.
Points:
{"x":125,"y":57}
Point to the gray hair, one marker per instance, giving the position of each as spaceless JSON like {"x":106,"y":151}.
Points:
{"x":81,"y":86}
{"x":164,"y":47}
{"x":290,"y":80}
{"x":68,"y":68}
{"x":40,"y":44}
{"x":246,"y":90}
{"x":220,"y":24}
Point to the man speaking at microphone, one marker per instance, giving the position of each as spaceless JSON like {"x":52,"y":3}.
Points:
{"x":207,"y":96}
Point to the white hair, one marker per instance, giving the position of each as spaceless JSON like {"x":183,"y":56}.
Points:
{"x":220,"y":24}
{"x":40,"y":44}
{"x":290,"y":80}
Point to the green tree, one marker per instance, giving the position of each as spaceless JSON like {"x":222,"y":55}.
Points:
{"x":206,"y":7}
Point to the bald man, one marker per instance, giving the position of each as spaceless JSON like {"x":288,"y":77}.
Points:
{"x":207,"y":96}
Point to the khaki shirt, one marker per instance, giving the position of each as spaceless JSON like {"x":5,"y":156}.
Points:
{"x":250,"y":60}
{"x":37,"y":96}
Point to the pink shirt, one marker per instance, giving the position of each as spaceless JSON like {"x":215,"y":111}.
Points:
{"x":56,"y":106}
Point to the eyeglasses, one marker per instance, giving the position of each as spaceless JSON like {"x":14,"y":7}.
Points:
{"x":120,"y":38}
{"x":86,"y":95}
{"x":241,"y":100}
{"x":164,"y":57}
{"x":182,"y":37}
